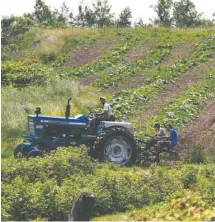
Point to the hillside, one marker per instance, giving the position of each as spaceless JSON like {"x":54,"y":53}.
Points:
{"x":150,"y":75}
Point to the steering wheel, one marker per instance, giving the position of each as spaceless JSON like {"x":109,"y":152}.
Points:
{"x":91,"y":113}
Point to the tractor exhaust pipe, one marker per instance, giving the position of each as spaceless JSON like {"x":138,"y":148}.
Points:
{"x":67,"y":113}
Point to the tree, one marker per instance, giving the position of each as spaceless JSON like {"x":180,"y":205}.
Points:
{"x":42,"y":13}
{"x":124,"y":17}
{"x":89,"y":17}
{"x":80,"y":18}
{"x":14,"y":26}
{"x":101,"y":10}
{"x":163,"y":9}
{"x":185,"y":14}
{"x":63,"y":17}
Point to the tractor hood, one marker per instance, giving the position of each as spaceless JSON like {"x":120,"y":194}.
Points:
{"x":40,"y":125}
{"x":60,"y":119}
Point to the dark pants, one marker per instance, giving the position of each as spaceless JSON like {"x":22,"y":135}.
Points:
{"x":150,"y":143}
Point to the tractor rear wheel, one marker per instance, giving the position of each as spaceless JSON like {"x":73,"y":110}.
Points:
{"x":116,"y":145}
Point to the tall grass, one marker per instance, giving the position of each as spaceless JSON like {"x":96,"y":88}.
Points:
{"x":52,"y":99}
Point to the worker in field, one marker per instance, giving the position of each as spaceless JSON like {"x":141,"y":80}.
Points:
{"x":157,"y":136}
{"x":173,"y":136}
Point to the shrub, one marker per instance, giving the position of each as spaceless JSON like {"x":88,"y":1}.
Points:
{"x":47,"y":57}
{"x":195,"y":155}
{"x":22,"y":74}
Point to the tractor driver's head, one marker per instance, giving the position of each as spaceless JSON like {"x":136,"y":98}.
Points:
{"x":103,"y":100}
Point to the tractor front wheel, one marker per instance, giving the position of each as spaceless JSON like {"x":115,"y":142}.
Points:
{"x":116,"y":145}
{"x":19,"y":151}
{"x":35,"y":153}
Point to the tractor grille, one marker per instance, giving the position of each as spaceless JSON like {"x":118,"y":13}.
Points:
{"x":31,"y":128}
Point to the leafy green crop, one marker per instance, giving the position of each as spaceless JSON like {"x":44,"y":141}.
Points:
{"x":185,"y":107}
{"x":126,"y":43}
{"x":128,"y":101}
{"x":157,"y":55}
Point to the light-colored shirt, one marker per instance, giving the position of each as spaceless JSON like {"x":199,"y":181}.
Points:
{"x":107,"y":108}
{"x":161,"y":132}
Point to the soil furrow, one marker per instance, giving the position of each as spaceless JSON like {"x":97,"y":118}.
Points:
{"x":171,"y":91}
{"x":94,"y":52}
{"x":143,"y":49}
{"x":178,"y":52}
{"x":201,"y":132}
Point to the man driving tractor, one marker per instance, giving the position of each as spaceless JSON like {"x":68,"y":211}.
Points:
{"x":106,"y":114}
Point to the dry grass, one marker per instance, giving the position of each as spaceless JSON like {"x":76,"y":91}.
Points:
{"x":53,"y":40}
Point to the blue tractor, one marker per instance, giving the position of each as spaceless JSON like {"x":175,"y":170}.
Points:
{"x":109,"y":141}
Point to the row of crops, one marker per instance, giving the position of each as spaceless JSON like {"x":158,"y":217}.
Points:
{"x":128,"y":101}
{"x":186,"y":106}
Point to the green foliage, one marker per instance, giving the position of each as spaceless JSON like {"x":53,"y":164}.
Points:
{"x":195,"y":155}
{"x":178,"y":14}
{"x":124,"y":17}
{"x":158,"y":53}
{"x":195,"y":204}
{"x":163,"y":10}
{"x":21,"y":74}
{"x":14,"y":26}
{"x":103,"y":16}
{"x":47,"y":57}
{"x":47,"y":188}
{"x":128,"y":101}
{"x":126,"y":42}
{"x":185,"y":14}
{"x":42,"y":12}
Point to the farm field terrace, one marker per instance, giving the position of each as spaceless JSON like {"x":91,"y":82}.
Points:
{"x":150,"y":75}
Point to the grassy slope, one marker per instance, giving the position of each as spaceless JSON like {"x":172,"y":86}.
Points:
{"x":35,"y":48}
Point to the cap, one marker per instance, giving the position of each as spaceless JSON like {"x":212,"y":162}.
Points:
{"x":103,"y":98}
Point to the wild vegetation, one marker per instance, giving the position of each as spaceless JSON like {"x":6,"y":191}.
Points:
{"x":149,"y":74}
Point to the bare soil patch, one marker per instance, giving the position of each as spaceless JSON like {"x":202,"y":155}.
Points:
{"x":201,"y":132}
{"x":178,"y":52}
{"x":83,"y":56}
{"x":167,"y":94}
{"x":141,"y":50}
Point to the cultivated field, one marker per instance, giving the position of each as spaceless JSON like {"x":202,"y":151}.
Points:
{"x":151,"y":75}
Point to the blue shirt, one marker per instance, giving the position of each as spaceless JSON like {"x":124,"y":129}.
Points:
{"x":173,"y":137}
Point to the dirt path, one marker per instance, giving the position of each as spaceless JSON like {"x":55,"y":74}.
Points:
{"x":201,"y":132}
{"x":180,"y":51}
{"x":141,"y":50}
{"x":171,"y":91}
{"x":94,"y":52}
